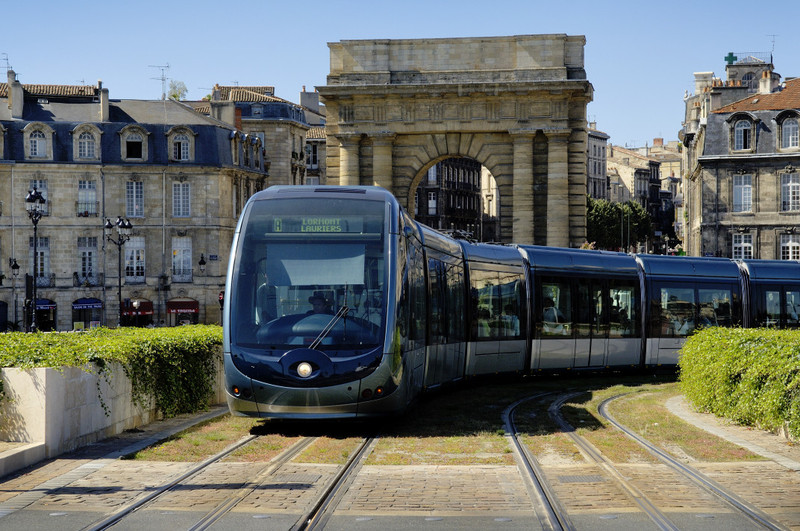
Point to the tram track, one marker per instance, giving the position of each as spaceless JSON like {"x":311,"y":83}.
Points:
{"x":753,"y":514}
{"x":221,"y":509}
{"x":551,"y":513}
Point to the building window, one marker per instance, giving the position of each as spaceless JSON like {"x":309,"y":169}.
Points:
{"x":431,"y":203}
{"x":790,"y":246}
{"x":86,"y":145}
{"x":41,"y":262}
{"x":134,"y":199}
{"x":741,"y":135}
{"x":181,"y":200}
{"x":790,"y":192}
{"x":133,"y":146}
{"x":180,"y":147}
{"x":181,"y":259}
{"x":312,"y":181}
{"x":38,"y":144}
{"x":134,"y":260}
{"x":742,"y":193}
{"x":742,"y":246}
{"x":790,"y":136}
{"x":87,"y":199}
{"x":87,"y":252}
{"x":313,"y":160}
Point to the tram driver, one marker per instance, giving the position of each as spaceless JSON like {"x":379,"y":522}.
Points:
{"x":319,"y":304}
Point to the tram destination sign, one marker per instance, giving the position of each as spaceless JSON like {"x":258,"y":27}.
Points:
{"x":316,"y":224}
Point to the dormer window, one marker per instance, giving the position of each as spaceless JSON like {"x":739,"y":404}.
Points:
{"x":742,"y":135}
{"x":38,"y":144}
{"x":133,"y":143}
{"x":86,"y":144}
{"x":181,"y":143}
{"x":789,"y":134}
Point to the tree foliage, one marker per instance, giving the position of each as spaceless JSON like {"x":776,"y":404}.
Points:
{"x":177,"y":90}
{"x":617,"y":225}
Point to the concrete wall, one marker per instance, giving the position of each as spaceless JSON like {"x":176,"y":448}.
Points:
{"x":63,"y":409}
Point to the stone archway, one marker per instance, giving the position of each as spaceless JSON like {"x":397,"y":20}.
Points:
{"x":515,"y":104}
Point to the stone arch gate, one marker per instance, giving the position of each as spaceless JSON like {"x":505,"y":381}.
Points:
{"x":515,"y":104}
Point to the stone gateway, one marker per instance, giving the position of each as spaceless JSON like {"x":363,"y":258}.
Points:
{"x":517,"y":105}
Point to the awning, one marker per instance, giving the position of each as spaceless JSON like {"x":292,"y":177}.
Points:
{"x":87,"y":303}
{"x":45,"y":304}
{"x":145,"y":307}
{"x":183,"y":305}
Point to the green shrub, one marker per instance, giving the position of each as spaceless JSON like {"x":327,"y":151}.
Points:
{"x":173,"y":366}
{"x":751,"y":376}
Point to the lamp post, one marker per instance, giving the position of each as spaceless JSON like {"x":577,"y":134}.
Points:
{"x":202,"y":263}
{"x":123,"y":235}
{"x":12,"y":262}
{"x":34,"y":204}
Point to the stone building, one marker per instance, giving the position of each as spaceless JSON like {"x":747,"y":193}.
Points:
{"x":597,"y":182}
{"x":742,"y":190}
{"x":179,"y":177}
{"x":516,"y":105}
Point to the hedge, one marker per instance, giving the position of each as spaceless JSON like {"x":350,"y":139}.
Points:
{"x":173,"y":366}
{"x":750,"y":376}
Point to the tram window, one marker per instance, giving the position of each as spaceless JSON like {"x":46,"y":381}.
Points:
{"x":556,"y":313}
{"x":453,"y":316}
{"x":773,"y":307}
{"x":715,"y":307}
{"x":437,"y":324}
{"x":677,"y":307}
{"x":624,"y":309}
{"x":589,"y":321}
{"x":792,"y":308}
{"x":496,"y":304}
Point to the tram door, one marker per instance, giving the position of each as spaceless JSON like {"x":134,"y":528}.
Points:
{"x":591,"y":324}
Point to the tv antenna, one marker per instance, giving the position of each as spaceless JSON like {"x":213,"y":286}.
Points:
{"x":5,"y":58}
{"x":162,"y":77}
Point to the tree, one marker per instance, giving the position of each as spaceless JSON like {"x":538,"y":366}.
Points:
{"x":177,"y":90}
{"x":616,"y":225}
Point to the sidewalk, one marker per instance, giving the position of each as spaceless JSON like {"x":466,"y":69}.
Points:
{"x":779,"y":449}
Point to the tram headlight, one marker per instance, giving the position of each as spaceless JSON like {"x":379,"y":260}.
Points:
{"x":304,"y":369}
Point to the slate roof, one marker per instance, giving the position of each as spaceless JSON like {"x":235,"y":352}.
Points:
{"x":788,"y":98}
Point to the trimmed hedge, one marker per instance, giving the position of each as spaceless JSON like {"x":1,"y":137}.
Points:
{"x":173,"y":366}
{"x":751,"y":376}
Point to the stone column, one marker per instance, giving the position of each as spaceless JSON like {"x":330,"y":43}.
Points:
{"x":382,"y":159}
{"x":522,"y":219}
{"x":557,"y":188}
{"x":349,"y":159}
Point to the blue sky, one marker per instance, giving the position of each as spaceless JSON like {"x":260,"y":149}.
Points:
{"x":640,"y":56}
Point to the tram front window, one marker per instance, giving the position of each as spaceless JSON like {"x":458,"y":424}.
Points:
{"x":302,"y":274}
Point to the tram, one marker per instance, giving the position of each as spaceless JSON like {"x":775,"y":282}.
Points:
{"x":339,"y":305}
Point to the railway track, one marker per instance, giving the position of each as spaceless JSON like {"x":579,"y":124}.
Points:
{"x":754,"y":515}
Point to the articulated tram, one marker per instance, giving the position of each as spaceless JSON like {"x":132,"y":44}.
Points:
{"x":338,"y":305}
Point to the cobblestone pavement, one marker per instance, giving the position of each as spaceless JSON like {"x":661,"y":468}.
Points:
{"x":94,"y":481}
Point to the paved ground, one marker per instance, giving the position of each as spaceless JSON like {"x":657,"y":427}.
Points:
{"x":94,"y":481}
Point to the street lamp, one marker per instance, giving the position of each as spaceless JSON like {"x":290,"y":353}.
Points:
{"x":34,"y":204}
{"x":202,"y":263}
{"x":124,"y":228}
{"x":12,"y":262}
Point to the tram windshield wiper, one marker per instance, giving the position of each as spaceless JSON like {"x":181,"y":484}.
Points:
{"x":328,"y":327}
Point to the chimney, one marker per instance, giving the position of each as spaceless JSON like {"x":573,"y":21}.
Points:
{"x":765,"y":83}
{"x":216,"y":94}
{"x":104,"y":112}
{"x":593,"y":126}
{"x":310,"y":100}
{"x":658,"y":142}
{"x":16,"y":96}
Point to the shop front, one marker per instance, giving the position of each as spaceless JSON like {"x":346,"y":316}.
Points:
{"x":182,"y":311}
{"x":87,"y":313}
{"x":137,"y":312}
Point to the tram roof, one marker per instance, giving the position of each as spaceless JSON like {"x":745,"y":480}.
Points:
{"x":441,"y":242}
{"x":492,"y":253}
{"x":772,"y":269}
{"x":564,"y":259}
{"x":685,"y":266}
{"x":374,"y":193}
